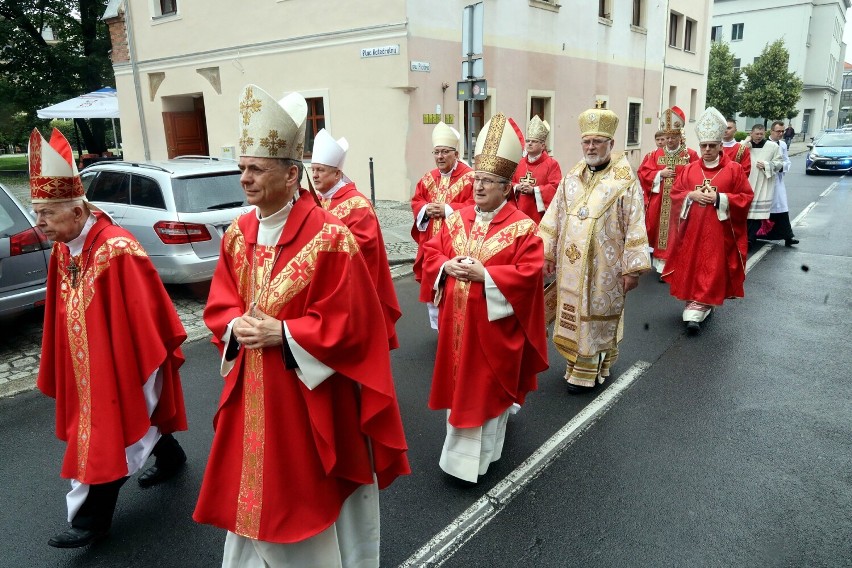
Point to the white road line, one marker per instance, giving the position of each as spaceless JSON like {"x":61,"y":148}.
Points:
{"x":829,"y":190}
{"x":758,"y":256}
{"x":462,"y":529}
{"x":806,"y":210}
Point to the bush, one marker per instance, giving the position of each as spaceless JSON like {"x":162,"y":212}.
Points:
{"x":740,"y":135}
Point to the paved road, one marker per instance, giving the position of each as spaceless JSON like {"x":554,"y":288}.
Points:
{"x":731,"y":449}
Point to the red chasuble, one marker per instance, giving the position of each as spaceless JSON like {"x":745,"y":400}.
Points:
{"x":544,"y":173}
{"x":661,"y":210}
{"x":456,"y":190}
{"x":103,"y":338}
{"x":740,"y":154}
{"x":285,"y":458}
{"x":350,"y":206}
{"x":482,"y":367}
{"x":707,"y":262}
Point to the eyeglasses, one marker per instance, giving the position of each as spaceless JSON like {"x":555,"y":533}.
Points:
{"x":443,"y":152}
{"x":594,"y":141}
{"x":486,"y":182}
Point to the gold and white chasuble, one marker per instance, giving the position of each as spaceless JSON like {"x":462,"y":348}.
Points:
{"x":594,"y":230}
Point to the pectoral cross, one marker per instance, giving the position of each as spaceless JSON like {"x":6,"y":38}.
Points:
{"x":670,"y":161}
{"x":705,"y":187}
{"x":74,"y":270}
{"x":528,"y":179}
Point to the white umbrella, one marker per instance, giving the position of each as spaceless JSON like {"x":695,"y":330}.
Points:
{"x":102,"y":103}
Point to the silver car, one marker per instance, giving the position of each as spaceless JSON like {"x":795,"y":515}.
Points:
{"x":177,"y":209}
{"x":24,"y":254}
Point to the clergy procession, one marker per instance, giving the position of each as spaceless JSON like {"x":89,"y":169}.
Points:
{"x":512,"y":253}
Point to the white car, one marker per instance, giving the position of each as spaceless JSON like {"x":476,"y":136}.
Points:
{"x":178,"y":209}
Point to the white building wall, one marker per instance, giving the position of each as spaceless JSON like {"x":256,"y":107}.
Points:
{"x":533,"y":48}
{"x":812,"y":32}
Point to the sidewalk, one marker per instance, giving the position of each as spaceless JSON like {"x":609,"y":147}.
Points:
{"x":20,"y":352}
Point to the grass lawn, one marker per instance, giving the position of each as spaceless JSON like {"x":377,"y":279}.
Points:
{"x":13,"y":162}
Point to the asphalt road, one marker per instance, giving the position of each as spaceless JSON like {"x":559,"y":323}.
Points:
{"x":732,"y":449}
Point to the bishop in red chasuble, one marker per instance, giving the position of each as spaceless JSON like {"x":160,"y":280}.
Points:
{"x":483,"y":270}
{"x":707,"y":262}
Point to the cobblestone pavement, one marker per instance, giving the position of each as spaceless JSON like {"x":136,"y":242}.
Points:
{"x":20,"y":346}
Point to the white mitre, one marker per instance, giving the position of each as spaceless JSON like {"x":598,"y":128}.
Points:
{"x":445,"y":135}
{"x":710,"y":126}
{"x":328,"y":151}
{"x":270,"y":128}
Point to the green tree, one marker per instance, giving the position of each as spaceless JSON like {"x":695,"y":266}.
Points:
{"x":723,"y":80}
{"x":770,"y":91}
{"x":38,"y":71}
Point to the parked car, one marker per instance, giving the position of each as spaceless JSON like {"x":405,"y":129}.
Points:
{"x":832,"y":152}
{"x":178,"y":209}
{"x":24,"y":254}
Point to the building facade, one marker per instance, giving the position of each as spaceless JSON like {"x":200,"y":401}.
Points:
{"x":812,"y":31}
{"x":383,"y":74}
{"x":686,"y":61}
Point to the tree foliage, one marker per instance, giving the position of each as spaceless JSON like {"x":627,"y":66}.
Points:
{"x":723,"y":80}
{"x":37,"y":72}
{"x":770,"y":91}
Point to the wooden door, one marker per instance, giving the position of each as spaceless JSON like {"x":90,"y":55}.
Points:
{"x":186,"y":134}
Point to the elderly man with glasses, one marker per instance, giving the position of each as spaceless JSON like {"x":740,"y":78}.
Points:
{"x":595,"y":240}
{"x":445,"y":189}
{"x":707,"y":263}
{"x":483,"y":270}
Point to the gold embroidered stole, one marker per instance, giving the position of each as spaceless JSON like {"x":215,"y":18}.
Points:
{"x":476,"y":245}
{"x":76,"y":301}
{"x":272,"y":291}
{"x":443,"y":193}
{"x":679,"y":158}
{"x":344,"y":208}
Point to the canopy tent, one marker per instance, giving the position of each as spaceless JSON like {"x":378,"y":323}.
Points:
{"x":102,"y":103}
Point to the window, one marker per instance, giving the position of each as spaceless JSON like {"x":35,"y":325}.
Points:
{"x":168,"y":7}
{"x":737,"y":64}
{"x":716,"y":33}
{"x":314,"y":123}
{"x":737,"y":32}
{"x":689,"y":35}
{"x":605,"y":9}
{"x":673,"y":28}
{"x":538,"y":107}
{"x":693,"y":104}
{"x":145,"y":192}
{"x":847,"y":82}
{"x":636,"y":20}
{"x":110,"y":187}
{"x":634,"y":111}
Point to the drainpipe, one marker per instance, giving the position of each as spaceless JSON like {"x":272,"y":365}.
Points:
{"x":134,"y":66}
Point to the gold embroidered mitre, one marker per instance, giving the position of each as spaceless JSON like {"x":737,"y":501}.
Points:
{"x":498,"y":147}
{"x":672,"y":121}
{"x":710,"y":126}
{"x":270,"y":128}
{"x":598,"y":121}
{"x":538,"y":129}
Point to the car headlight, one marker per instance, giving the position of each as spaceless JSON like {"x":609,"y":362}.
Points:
{"x":813,"y":156}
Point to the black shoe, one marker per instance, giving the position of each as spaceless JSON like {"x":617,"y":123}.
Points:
{"x":692,"y":327}
{"x":76,"y":537}
{"x":790,"y":242}
{"x":165,"y":467}
{"x":577,"y":389}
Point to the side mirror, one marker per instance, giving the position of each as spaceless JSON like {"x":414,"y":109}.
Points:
{"x":810,"y":146}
